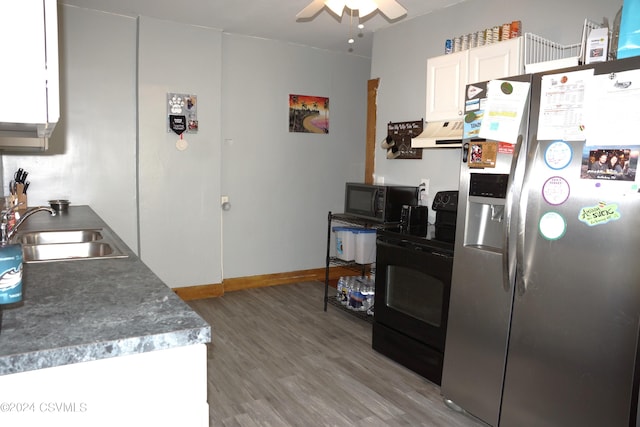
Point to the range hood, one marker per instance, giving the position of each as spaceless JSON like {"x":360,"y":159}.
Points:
{"x":25,"y":136}
{"x":447,"y":134}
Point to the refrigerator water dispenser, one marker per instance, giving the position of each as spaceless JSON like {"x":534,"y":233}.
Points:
{"x":485,"y":211}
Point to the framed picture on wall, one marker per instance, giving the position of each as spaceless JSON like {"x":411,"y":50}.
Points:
{"x":308,"y":114}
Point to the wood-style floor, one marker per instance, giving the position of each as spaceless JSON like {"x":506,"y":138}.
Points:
{"x":277,"y":359}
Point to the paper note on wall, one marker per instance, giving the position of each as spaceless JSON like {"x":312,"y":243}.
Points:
{"x":562,"y":104}
{"x":503,"y":110}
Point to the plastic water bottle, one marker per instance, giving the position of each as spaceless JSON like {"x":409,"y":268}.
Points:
{"x":340,"y":289}
{"x":369,"y":295}
{"x":356,"y":297}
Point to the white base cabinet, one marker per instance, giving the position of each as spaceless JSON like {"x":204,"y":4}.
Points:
{"x":163,"y":388}
{"x":448,"y":75}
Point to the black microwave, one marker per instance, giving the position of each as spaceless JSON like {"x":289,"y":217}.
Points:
{"x":379,"y":203}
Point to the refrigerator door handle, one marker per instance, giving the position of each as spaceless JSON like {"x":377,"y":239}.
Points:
{"x":509,"y":253}
{"x":465,"y":152}
{"x":521,"y":273}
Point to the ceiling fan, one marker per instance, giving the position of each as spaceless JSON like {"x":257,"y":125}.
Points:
{"x":390,"y":8}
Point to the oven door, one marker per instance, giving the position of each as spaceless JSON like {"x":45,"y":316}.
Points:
{"x":413,"y":284}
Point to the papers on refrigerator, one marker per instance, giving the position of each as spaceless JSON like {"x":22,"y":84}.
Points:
{"x":503,"y":110}
{"x":612,"y":113}
{"x":562,"y":103}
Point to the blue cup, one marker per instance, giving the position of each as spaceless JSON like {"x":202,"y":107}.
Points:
{"x":10,"y":274}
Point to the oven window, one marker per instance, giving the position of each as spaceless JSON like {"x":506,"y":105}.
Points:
{"x":415,"y":294}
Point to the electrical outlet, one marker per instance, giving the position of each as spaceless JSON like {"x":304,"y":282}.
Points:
{"x":424,"y":191}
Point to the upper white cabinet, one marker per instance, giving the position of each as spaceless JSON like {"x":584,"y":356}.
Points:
{"x":447,"y":75}
{"x":496,"y":60}
{"x":30,"y":76}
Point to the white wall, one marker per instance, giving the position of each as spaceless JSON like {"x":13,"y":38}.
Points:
{"x":92,"y":155}
{"x":281,"y":185}
{"x":111,"y":149}
{"x":401,"y":51}
{"x":179,"y":190}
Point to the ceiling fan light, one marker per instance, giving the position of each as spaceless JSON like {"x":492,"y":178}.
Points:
{"x":366,"y":7}
{"x":336,"y":6}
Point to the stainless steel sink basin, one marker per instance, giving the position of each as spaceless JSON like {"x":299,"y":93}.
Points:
{"x":70,"y":251}
{"x":67,"y":245}
{"x":65,"y":236}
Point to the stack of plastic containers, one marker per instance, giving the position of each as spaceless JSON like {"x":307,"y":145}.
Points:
{"x":345,"y":243}
{"x":365,"y":242}
{"x":355,"y":244}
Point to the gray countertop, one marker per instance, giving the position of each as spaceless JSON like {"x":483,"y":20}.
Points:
{"x":83,"y":310}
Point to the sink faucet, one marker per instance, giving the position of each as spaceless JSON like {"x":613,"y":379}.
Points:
{"x":5,"y":233}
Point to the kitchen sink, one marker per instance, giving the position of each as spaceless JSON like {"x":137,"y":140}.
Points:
{"x":66,"y":236}
{"x":70,"y":251}
{"x":68,"y":245}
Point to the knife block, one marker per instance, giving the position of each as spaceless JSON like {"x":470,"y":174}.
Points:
{"x":21,"y":196}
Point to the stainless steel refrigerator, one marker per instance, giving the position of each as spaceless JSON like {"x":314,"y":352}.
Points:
{"x":545,"y":301}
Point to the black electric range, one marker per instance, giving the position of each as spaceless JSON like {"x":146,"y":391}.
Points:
{"x":413,"y":284}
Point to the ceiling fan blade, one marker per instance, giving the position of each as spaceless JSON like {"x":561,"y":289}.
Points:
{"x":391,"y":9}
{"x":311,"y":10}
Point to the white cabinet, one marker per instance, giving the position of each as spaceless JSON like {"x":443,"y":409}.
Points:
{"x":447,"y":75}
{"x":496,"y":61}
{"x":30,"y":76}
{"x":162,"y":388}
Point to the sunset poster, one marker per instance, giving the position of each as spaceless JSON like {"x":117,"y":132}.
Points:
{"x":308,"y":114}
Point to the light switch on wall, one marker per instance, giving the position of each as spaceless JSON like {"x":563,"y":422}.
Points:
{"x":224,"y":203}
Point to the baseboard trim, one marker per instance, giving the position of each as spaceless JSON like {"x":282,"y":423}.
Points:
{"x":190,"y":293}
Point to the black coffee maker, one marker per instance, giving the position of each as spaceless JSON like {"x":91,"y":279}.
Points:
{"x":445,"y":203}
{"x":413,"y":220}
